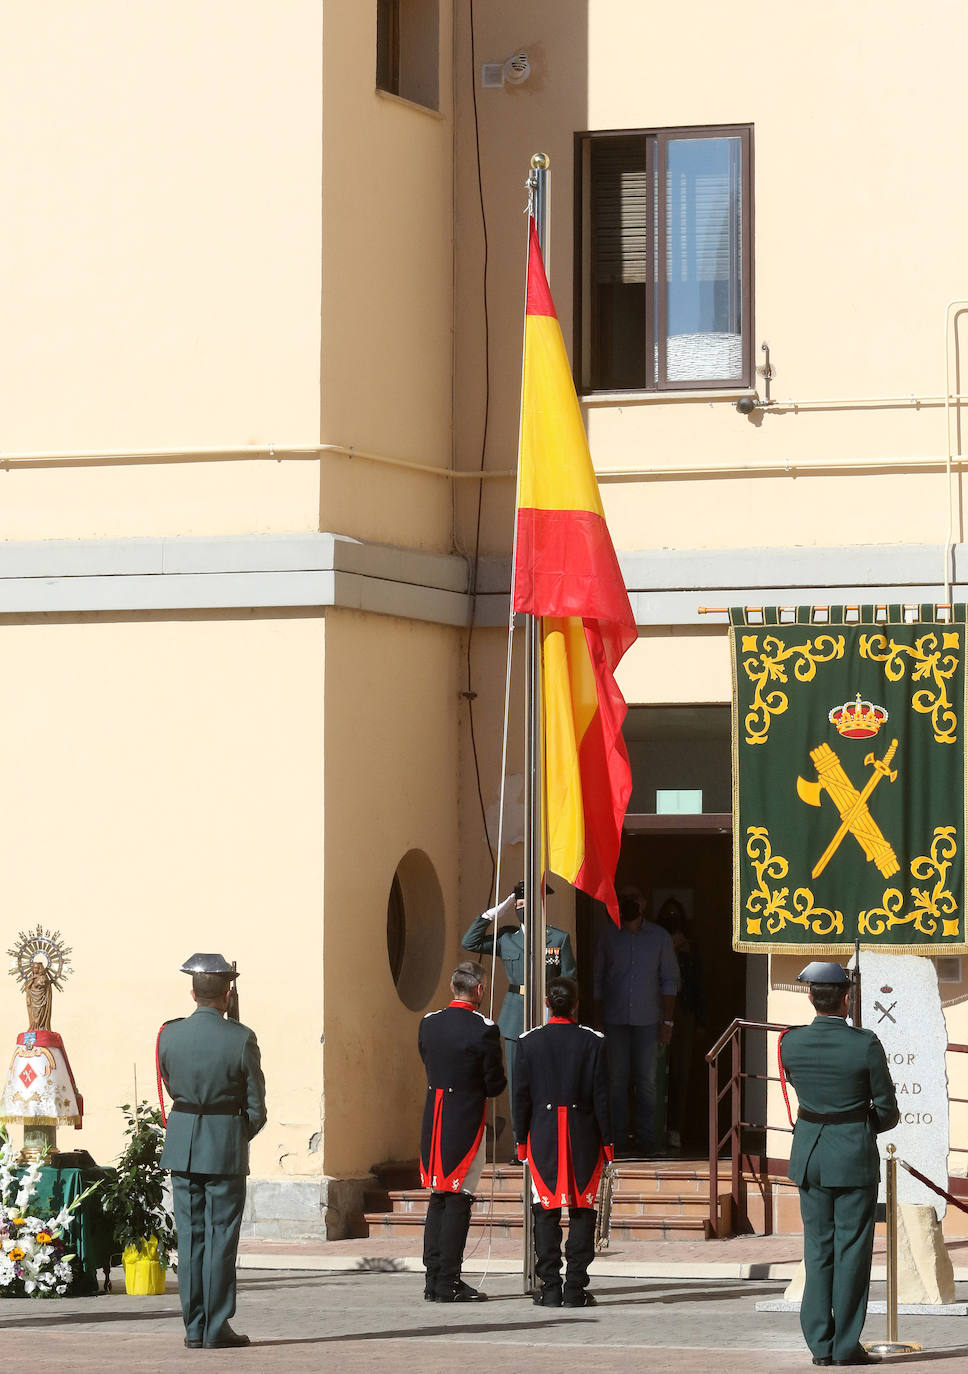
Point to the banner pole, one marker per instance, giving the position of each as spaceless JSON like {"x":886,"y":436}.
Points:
{"x":534,"y":925}
{"x":856,"y":1000}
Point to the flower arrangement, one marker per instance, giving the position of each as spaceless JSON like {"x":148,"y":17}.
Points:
{"x":134,"y":1198}
{"x":34,"y":1262}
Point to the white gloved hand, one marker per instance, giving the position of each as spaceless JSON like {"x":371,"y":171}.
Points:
{"x":502,"y":909}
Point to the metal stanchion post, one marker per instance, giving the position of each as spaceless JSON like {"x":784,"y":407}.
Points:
{"x":892,"y":1346}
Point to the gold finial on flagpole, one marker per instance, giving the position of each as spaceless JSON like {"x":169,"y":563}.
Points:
{"x":540,"y":162}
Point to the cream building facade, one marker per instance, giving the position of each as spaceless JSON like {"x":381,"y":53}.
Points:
{"x":244,"y":409}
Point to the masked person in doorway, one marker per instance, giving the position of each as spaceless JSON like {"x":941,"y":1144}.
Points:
{"x":690,"y":1020}
{"x":559,"y":963}
{"x":845,"y":1098}
{"x":636,"y":981}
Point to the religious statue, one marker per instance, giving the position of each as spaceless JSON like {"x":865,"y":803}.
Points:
{"x":39,"y":990}
{"x":42,"y":962}
{"x":40,"y":1090}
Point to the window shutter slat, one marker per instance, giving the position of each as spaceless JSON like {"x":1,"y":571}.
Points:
{"x":619,"y":211}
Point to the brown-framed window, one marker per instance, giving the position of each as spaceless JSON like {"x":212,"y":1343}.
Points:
{"x":665,"y":267}
{"x":408,"y":50}
{"x":388,"y":45}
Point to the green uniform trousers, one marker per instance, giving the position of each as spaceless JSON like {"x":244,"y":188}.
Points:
{"x":208,"y":1218}
{"x":838,"y":1240}
{"x":510,"y":1053}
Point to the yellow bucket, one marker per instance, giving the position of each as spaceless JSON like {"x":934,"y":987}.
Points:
{"x":143,"y":1274}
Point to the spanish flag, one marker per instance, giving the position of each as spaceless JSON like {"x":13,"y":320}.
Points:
{"x":566,"y":572}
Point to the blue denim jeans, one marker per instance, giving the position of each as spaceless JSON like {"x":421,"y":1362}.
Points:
{"x":631,"y":1063}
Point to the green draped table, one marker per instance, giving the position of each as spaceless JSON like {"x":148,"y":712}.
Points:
{"x":89,"y":1234}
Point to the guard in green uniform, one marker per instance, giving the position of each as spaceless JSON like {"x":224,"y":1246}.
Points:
{"x":212,"y":1070}
{"x":845,"y":1097}
{"x":559,"y":963}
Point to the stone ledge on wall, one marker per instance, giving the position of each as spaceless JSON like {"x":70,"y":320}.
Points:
{"x":305,"y":1208}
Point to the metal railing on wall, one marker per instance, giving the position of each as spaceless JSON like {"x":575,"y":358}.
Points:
{"x":729,"y":1107}
{"x":732,"y":1092}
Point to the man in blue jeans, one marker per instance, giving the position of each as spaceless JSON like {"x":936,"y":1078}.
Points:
{"x":636,"y":981}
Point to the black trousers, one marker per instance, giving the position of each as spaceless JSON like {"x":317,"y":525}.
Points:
{"x":445,"y":1235}
{"x":579,"y":1247}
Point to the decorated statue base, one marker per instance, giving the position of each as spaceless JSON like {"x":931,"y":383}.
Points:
{"x":40,"y":1142}
{"x":40,"y":1091}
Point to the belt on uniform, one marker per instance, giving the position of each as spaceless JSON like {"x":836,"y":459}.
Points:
{"x":515,"y":987}
{"x":834,"y":1118}
{"x":208,"y":1108}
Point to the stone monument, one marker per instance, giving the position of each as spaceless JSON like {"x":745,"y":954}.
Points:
{"x":902,"y":1005}
{"x":40,"y":1090}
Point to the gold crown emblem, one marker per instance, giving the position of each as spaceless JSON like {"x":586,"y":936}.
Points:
{"x":858,"y":719}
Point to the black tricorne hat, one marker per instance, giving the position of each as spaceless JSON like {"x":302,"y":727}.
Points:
{"x":209,"y":963}
{"x":819,"y":972}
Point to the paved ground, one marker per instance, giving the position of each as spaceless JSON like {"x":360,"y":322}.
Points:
{"x":739,"y":1257}
{"x":377,"y":1321}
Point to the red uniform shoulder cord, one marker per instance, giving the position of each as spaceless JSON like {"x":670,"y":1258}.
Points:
{"x":783,"y":1077}
{"x":161,"y":1091}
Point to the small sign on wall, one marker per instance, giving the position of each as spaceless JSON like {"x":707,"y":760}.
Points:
{"x":678,"y":803}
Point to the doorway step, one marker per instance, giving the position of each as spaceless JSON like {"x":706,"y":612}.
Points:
{"x":651,"y":1200}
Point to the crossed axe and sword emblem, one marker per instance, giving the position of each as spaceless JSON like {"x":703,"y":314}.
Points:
{"x":852,"y":805}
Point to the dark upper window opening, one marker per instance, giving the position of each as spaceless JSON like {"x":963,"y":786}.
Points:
{"x":408,"y":50}
{"x":664,"y":269}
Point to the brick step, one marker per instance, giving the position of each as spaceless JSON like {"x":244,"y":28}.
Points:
{"x":396,"y":1173}
{"x":409,"y":1226}
{"x":638,"y":1178}
{"x":625,"y":1204}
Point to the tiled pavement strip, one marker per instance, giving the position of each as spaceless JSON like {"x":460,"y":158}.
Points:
{"x":363,"y":1318}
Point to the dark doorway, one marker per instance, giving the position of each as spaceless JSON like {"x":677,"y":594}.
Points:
{"x":693,"y":868}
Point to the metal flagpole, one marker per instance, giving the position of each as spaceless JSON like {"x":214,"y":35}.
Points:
{"x":534,"y":918}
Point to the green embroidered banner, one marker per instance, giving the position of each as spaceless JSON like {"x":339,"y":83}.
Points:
{"x":848,"y":781}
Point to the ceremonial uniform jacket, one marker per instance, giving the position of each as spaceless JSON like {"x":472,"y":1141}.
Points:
{"x":561,"y":1109}
{"x":836,"y":1069}
{"x":559,"y":963}
{"x":461,"y":1052}
{"x":209,"y":1060}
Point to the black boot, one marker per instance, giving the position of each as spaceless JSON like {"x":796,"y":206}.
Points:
{"x":454,"y":1226}
{"x":431,"y":1245}
{"x":547,"y":1244}
{"x":579,"y":1253}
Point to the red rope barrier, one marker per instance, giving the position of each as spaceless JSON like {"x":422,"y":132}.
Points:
{"x":916,"y":1173}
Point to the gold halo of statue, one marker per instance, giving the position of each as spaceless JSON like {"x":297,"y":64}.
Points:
{"x":41,"y":964}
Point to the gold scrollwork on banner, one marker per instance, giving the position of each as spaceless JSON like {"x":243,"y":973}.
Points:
{"x":822,"y":921}
{"x":932,"y":907}
{"x":770,"y":904}
{"x":770,"y":664}
{"x":935,"y":656}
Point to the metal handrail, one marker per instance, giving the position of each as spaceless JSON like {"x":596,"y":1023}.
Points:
{"x":733,"y":1088}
